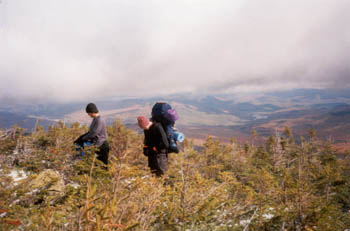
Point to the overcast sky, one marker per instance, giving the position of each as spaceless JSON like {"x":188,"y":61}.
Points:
{"x":70,"y":50}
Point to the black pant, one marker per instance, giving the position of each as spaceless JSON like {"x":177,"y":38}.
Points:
{"x":158,"y":162}
{"x":102,"y":153}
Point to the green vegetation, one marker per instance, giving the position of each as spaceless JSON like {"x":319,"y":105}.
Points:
{"x":280,"y":185}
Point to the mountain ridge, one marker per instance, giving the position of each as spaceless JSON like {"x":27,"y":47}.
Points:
{"x":222,"y":116}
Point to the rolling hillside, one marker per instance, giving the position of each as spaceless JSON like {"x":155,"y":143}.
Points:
{"x":221,"y":116}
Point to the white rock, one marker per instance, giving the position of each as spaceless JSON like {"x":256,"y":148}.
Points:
{"x":75,"y":185}
{"x":244,"y":222}
{"x":17,"y":175}
{"x":268,"y":216}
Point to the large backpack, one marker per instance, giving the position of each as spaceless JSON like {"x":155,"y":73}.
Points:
{"x":163,"y":113}
{"x":166,"y":116}
{"x":160,"y":108}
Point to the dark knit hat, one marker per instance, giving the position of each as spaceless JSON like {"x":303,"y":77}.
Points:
{"x":91,"y":108}
{"x":142,"y":122}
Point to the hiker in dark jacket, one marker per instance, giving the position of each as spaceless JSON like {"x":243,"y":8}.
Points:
{"x":97,"y":134}
{"x":156,"y":145}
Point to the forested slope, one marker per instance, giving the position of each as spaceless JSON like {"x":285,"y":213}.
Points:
{"x":280,"y":185}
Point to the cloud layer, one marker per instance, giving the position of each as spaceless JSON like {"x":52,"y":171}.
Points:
{"x":86,"y":49}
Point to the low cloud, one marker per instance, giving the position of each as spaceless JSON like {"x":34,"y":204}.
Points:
{"x":81,"y":50}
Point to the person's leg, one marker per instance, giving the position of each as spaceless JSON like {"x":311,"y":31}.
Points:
{"x":162,"y":161}
{"x":79,"y":147}
{"x":102,"y":154}
{"x":153,"y":163}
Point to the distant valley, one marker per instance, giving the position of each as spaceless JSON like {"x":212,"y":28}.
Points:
{"x":222,"y":116}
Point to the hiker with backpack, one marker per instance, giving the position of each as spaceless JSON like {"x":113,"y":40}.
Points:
{"x":97,"y":134}
{"x":156,"y":145}
{"x":161,"y":136}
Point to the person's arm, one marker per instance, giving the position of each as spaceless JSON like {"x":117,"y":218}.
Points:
{"x":79,"y":140}
{"x":145,"y":144}
{"x":164,"y":138}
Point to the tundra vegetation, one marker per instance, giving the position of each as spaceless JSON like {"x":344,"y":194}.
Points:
{"x":277,"y":185}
